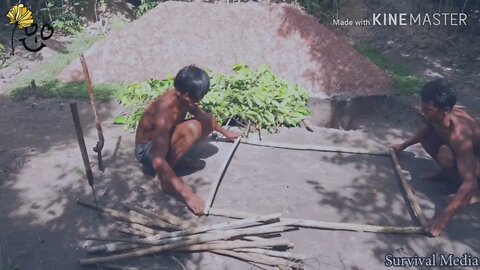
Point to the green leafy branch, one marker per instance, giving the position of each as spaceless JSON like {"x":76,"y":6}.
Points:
{"x":258,"y":97}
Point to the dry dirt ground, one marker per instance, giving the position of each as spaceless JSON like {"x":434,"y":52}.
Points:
{"x":41,"y":177}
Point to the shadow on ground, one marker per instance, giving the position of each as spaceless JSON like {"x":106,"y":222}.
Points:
{"x":42,"y":177}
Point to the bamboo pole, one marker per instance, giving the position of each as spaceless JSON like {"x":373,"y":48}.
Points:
{"x":411,"y":198}
{"x":166,"y":217}
{"x":132,"y":231}
{"x":320,"y":148}
{"x":124,"y":216}
{"x":142,"y":228}
{"x":111,"y":247}
{"x":229,"y":225}
{"x":326,"y":225}
{"x":266,"y":243}
{"x":220,"y":175}
{"x":145,"y":215}
{"x":180,"y":242}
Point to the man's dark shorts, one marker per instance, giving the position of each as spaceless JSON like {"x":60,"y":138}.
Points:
{"x":144,"y":154}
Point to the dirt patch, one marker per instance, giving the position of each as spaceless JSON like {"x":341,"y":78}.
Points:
{"x":217,"y":36}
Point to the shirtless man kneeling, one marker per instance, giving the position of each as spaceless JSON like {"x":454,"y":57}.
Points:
{"x":163,"y":135}
{"x":451,"y":137}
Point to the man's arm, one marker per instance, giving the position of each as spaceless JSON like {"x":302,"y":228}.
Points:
{"x":417,"y":136}
{"x":462,"y":147}
{"x":230,"y":135}
{"x":169,"y":181}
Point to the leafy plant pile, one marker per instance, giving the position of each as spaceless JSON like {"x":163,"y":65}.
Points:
{"x":258,"y":97}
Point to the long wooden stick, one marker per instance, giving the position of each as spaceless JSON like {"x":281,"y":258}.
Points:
{"x":119,"y":246}
{"x":169,"y":218}
{"x":324,"y":224}
{"x":132,"y":231}
{"x":220,"y":175}
{"x":411,"y":198}
{"x":101,"y":140}
{"x":83,"y":148}
{"x":127,"y":217}
{"x":183,"y":241}
{"x":320,"y":148}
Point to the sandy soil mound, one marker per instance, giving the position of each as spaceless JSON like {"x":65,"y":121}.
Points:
{"x":216,"y":36}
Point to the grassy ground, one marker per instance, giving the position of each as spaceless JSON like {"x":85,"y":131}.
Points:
{"x":49,"y":87}
{"x":403,"y":81}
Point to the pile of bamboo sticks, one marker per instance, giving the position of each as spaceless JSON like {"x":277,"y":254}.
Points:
{"x":253,"y":240}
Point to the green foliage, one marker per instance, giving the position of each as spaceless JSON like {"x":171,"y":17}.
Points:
{"x":145,"y":5}
{"x":259,"y":97}
{"x":403,"y":81}
{"x":69,"y":23}
{"x":63,"y":15}
{"x":56,"y":89}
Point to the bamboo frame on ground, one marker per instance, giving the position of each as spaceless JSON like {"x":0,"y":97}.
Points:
{"x":332,"y":225}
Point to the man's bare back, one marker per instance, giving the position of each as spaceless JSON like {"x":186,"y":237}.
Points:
{"x":165,"y":106}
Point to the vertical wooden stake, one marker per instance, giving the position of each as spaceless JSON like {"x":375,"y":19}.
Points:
{"x":101,"y":140}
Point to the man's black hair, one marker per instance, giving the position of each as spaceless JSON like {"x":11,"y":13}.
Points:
{"x":440,"y":92}
{"x":192,"y":81}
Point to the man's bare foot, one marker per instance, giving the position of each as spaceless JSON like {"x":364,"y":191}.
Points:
{"x":475,"y":198}
{"x":195,"y":204}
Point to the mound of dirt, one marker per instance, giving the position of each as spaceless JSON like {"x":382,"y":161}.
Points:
{"x":217,"y":36}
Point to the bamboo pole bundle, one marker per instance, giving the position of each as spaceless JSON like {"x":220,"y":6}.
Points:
{"x":170,"y":244}
{"x":223,"y":238}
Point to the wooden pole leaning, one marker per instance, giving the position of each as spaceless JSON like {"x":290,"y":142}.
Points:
{"x":411,"y":198}
{"x":319,"y":148}
{"x":220,"y":175}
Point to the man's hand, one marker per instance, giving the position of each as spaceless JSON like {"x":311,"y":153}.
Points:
{"x":231,"y":135}
{"x":195,"y":204}
{"x":397,"y":148}
{"x":436,"y":226}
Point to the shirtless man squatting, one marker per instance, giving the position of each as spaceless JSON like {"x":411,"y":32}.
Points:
{"x":163,"y":135}
{"x":451,"y":137}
